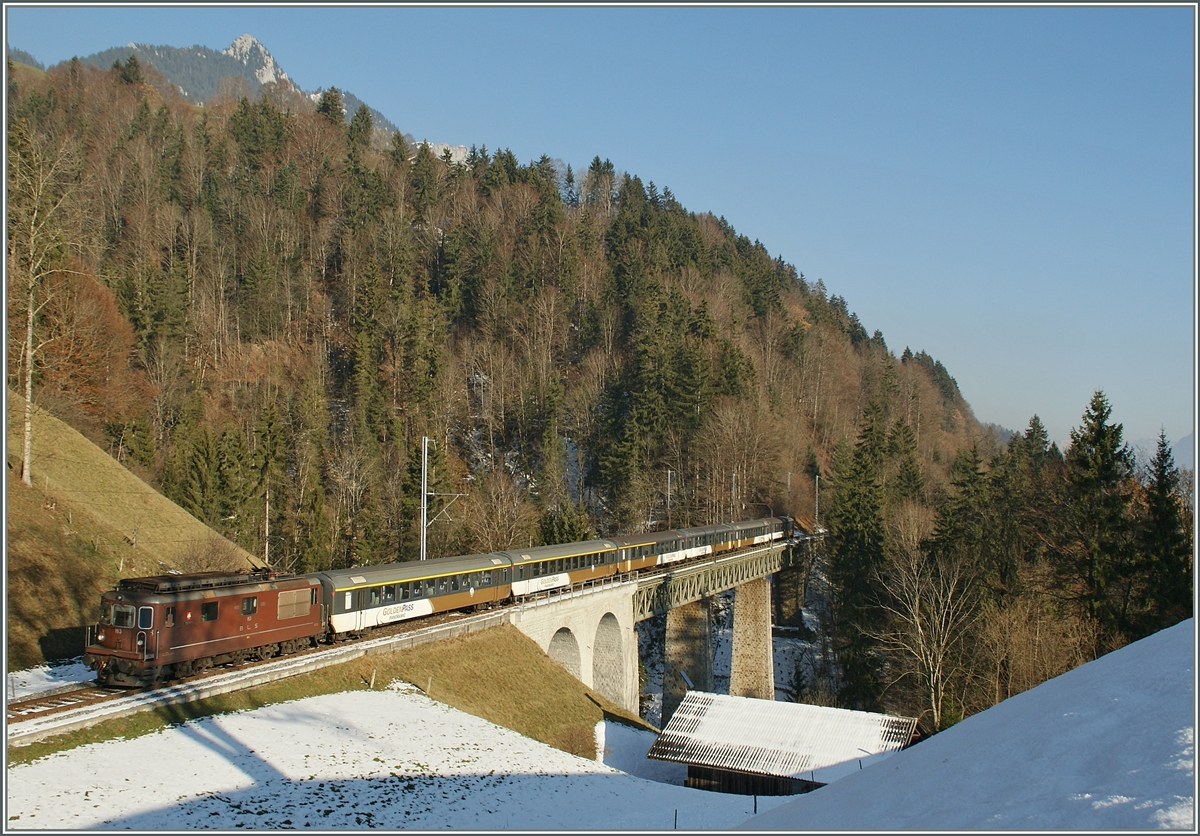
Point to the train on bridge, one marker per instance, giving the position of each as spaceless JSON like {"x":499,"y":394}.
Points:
{"x":170,"y":627}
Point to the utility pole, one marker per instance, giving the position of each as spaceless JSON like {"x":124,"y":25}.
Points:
{"x":817,"y":501}
{"x":733,"y":495}
{"x":267,"y":530}
{"x":425,"y":494}
{"x":789,"y":504}
{"x":424,"y":490}
{"x":668,"y":498}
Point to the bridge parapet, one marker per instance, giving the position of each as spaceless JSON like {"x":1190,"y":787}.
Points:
{"x":657,"y":594}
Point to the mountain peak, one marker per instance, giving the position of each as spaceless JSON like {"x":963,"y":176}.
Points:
{"x":254,"y":55}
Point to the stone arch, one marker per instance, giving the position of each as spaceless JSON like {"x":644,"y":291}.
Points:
{"x":564,"y":649}
{"x":608,"y":660}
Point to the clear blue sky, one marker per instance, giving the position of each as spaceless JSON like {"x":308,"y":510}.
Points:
{"x":1009,"y":189}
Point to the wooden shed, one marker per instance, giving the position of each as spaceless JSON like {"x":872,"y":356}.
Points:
{"x":760,"y":747}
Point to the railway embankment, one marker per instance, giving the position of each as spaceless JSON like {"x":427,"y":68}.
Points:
{"x":86,"y":521}
{"x":484,"y":667}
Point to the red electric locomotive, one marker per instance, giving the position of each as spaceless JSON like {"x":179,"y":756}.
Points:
{"x":172,"y":626}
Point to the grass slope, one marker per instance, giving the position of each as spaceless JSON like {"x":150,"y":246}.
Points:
{"x":498,"y":674}
{"x":72,"y":535}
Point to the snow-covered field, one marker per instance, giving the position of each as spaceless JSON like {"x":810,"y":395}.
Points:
{"x":387,"y":758}
{"x":1108,"y":746}
{"x":1102,"y":747}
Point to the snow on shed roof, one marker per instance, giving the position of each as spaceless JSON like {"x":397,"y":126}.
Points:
{"x":793,"y":740}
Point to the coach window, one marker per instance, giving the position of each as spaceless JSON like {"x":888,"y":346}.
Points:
{"x":349,"y":598}
{"x":416,"y":589}
{"x":389,"y":593}
{"x":443,"y":585}
{"x":145,"y":618}
{"x":208,"y":611}
{"x":485,"y":579}
{"x":249,"y":605}
{"x":430,"y":589}
{"x":375,"y":596}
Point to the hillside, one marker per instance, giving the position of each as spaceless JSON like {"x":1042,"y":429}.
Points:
{"x":1107,"y":747}
{"x":86,"y":522}
{"x":268,"y":310}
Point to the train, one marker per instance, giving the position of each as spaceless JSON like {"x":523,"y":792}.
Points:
{"x":170,"y":627}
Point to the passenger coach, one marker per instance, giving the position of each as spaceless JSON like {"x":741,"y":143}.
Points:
{"x":370,"y":596}
{"x":554,"y":567}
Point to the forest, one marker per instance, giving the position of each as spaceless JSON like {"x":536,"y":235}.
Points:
{"x":261,"y":307}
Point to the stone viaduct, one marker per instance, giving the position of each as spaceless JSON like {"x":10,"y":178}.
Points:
{"x":590,"y":631}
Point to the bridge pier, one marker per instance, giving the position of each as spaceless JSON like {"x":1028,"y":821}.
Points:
{"x":591,"y":635}
{"x":752,"y":658}
{"x":688,"y":648}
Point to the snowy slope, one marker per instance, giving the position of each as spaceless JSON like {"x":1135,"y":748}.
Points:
{"x":1106,"y":746}
{"x":386,"y":759}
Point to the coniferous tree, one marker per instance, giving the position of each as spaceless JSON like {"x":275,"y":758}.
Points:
{"x":1097,"y":550}
{"x":332,"y":107}
{"x":1166,"y":543}
{"x":856,"y":549}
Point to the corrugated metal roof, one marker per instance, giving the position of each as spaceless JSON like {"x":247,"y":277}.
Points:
{"x":785,"y":739}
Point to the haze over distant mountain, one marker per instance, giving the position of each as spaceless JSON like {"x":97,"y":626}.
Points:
{"x":197,"y":71}
{"x":24,"y":57}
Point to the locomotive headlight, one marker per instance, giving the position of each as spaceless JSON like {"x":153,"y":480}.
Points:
{"x":100,"y":636}
{"x":141,"y":640}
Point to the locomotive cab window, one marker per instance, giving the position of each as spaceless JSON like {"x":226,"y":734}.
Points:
{"x":145,"y":618}
{"x":250,"y":605}
{"x":208,"y":611}
{"x":122,"y":615}
{"x":169,"y":617}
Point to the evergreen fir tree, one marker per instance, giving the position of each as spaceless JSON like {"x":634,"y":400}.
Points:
{"x":1166,"y":544}
{"x":856,"y":549}
{"x":1097,"y":553}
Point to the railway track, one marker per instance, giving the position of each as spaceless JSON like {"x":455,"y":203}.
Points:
{"x":62,"y":700}
{"x":46,"y":715}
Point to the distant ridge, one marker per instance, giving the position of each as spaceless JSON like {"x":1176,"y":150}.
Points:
{"x":197,"y":70}
{"x":23,"y":57}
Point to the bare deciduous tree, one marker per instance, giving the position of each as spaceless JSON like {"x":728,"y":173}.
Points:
{"x":498,"y":515}
{"x":931,"y":602}
{"x":42,"y":178}
{"x":216,"y":554}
